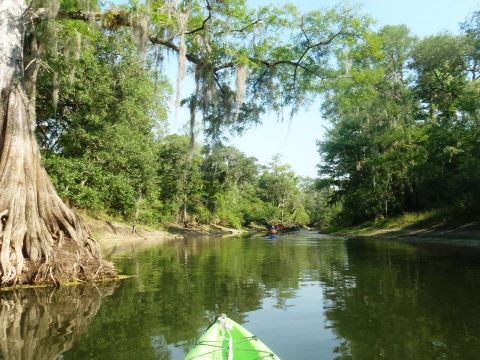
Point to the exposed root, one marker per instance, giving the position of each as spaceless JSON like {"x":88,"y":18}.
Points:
{"x":70,"y":267}
{"x":40,"y":237}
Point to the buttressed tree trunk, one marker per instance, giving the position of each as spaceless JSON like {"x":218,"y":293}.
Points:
{"x":41,"y":239}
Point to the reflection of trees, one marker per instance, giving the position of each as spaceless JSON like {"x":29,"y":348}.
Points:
{"x":183,"y":285}
{"x":43,"y":323}
{"x":389,"y":302}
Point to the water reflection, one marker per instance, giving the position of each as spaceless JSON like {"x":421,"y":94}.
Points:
{"x":43,"y":323}
{"x":306,"y":296}
{"x":183,"y":285}
{"x":399,"y":301}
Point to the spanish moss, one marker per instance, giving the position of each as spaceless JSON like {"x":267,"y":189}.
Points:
{"x":241,"y":87}
{"x":182,"y":18}
{"x":140,"y":32}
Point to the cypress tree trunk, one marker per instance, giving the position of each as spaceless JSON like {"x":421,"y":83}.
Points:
{"x":41,"y":239}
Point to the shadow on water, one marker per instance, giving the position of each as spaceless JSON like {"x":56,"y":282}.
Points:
{"x":43,"y":323}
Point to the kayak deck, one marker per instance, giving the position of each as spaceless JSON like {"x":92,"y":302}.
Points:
{"x":225,"y":339}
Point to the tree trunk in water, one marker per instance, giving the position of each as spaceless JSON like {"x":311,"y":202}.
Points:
{"x":41,"y":239}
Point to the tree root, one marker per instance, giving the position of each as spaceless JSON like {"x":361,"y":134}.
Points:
{"x":41,"y":239}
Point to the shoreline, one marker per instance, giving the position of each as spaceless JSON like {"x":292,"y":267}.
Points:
{"x":464,"y":235}
{"x":113,"y":235}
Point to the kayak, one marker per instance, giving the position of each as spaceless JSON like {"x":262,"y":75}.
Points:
{"x":227,"y":340}
{"x":273,"y":236}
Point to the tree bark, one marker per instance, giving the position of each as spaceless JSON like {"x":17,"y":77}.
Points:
{"x":41,"y":239}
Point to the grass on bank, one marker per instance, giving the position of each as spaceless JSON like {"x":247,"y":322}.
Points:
{"x":433,"y":220}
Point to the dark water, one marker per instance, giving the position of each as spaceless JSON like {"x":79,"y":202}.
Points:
{"x":305,"y":296}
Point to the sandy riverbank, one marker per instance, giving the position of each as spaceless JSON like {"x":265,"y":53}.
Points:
{"x":114,"y":235}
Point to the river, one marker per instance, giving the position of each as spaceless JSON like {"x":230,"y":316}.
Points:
{"x":307,"y":296}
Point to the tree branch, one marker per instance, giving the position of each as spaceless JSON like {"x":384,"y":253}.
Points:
{"x":110,"y":19}
{"x":169,"y":44}
{"x":113,"y":19}
{"x":246,"y":26}
{"x":209,"y":8}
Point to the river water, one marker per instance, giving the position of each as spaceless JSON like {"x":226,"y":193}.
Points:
{"x":307,"y":296}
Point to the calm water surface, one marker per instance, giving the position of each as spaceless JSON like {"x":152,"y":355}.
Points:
{"x":306,"y":296}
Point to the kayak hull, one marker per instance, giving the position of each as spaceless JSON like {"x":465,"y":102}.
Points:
{"x":227,"y":340}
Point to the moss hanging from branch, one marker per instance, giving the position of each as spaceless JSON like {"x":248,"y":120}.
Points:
{"x":179,"y":16}
{"x":182,"y":18}
{"x":56,"y":80}
{"x":241,"y":87}
{"x":53,"y":7}
{"x":210,"y":92}
{"x":91,"y":17}
{"x":140,"y":32}
{"x":77,"y":49}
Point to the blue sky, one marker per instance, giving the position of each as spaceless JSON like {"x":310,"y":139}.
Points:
{"x":296,"y":141}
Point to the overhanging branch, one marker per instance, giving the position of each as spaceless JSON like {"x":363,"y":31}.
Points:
{"x":116,"y":18}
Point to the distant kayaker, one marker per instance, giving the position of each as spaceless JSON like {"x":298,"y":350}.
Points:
{"x":272,"y":230}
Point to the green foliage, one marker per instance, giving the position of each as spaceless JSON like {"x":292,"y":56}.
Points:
{"x":76,"y":181}
{"x":368,"y":146}
{"x":228,"y":210}
{"x":440,"y":63}
{"x":222,"y":185}
{"x":101,"y":101}
{"x":278,"y":187}
{"x":404,"y":126}
{"x":322,"y":213}
{"x":179,"y":176}
{"x":99,"y":136}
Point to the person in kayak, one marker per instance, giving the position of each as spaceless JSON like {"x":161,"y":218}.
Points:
{"x":272,"y":230}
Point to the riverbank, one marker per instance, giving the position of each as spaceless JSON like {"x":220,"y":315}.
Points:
{"x":113,"y":234}
{"x":427,"y":227}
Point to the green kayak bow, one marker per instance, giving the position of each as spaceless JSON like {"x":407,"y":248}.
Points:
{"x":227,"y":340}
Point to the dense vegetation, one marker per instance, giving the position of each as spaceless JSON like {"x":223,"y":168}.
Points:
{"x":91,"y":79}
{"x":102,"y":101}
{"x":105,"y":148}
{"x":404,"y":125}
{"x":403,"y":128}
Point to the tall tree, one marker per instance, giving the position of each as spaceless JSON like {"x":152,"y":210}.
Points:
{"x":447,"y":86}
{"x":367,"y":150}
{"x":278,"y":186}
{"x":42,"y":240}
{"x":179,"y":176}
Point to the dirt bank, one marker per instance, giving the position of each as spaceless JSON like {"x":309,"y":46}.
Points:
{"x":113,"y":235}
{"x":204,"y":230}
{"x":441,"y":233}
